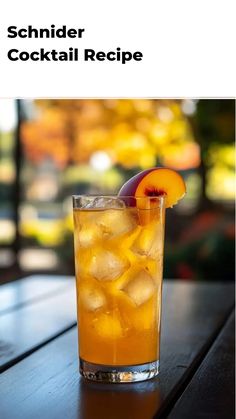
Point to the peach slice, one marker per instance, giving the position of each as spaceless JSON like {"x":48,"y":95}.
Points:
{"x":155,"y":182}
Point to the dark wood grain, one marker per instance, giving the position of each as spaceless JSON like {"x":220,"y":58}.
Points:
{"x":210,"y":393}
{"x":27,"y":290}
{"x":47,"y":384}
{"x":24,"y":329}
{"x":193,"y":315}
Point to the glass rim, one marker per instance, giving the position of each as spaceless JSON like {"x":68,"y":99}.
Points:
{"x":141,"y":202}
{"x":159,"y":197}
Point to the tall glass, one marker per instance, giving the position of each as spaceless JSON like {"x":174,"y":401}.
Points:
{"x":118,"y":261}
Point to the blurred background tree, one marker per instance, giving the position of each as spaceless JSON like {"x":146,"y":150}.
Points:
{"x":93,"y":146}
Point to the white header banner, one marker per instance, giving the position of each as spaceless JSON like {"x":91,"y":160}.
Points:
{"x":116,"y":48}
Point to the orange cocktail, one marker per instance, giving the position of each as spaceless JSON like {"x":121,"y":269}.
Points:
{"x":119,"y":259}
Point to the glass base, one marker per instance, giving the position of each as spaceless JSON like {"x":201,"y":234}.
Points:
{"x":118,"y":374}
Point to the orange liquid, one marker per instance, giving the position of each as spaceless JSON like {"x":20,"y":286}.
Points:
{"x":118,"y":260}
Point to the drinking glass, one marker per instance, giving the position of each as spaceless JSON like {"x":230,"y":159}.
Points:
{"x":118,"y":262}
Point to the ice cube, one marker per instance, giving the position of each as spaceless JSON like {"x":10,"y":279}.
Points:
{"x":105,"y":202}
{"x":88,"y":205}
{"x":91,"y":297}
{"x":107,"y":266}
{"x":108,"y":326}
{"x":115,"y":222}
{"x":145,"y":316}
{"x":140,"y":288}
{"x":88,"y":235}
{"x":149,"y":241}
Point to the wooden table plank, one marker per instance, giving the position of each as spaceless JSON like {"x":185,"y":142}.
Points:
{"x":23,"y":330}
{"x":211,"y":391}
{"x":192,"y":317}
{"x":27,"y":290}
{"x":47,"y":384}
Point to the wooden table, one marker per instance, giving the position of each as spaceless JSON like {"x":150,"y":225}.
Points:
{"x":39,"y":366}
